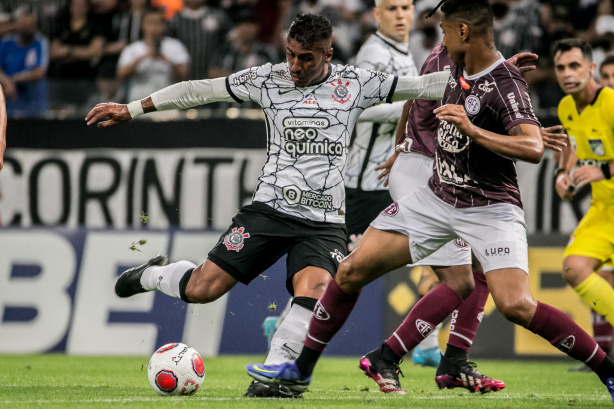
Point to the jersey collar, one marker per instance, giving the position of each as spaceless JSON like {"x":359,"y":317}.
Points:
{"x":402,"y":48}
{"x":487,"y":71}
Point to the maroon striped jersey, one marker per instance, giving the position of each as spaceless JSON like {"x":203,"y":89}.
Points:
{"x":467,"y":174}
{"x":420,"y":134}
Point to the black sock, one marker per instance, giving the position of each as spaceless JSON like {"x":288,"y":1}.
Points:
{"x":184,"y":283}
{"x":456,"y":354}
{"x":388,"y":354}
{"x":605,"y":370}
{"x":306,"y":361}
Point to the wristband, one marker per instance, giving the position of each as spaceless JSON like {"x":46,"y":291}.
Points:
{"x":558,"y":171}
{"x":605,"y":168}
{"x":135,"y":108}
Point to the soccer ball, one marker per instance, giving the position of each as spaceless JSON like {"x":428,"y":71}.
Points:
{"x":176,"y":369}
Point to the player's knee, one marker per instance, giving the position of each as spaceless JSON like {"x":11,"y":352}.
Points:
{"x":518,"y":311}
{"x":349,"y":276}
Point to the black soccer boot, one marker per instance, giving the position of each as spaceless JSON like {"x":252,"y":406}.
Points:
{"x":275,"y":390}
{"x":452,"y":375}
{"x":129,"y":283}
{"x":384,"y":369}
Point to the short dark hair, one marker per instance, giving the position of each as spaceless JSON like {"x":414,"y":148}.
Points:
{"x":475,"y":13}
{"x":609,"y":60}
{"x":567,"y":44}
{"x":309,"y":29}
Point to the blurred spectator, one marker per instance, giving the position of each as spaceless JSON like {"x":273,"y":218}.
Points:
{"x":24,"y":58}
{"x":426,"y":33}
{"x":103,"y":13}
{"x":75,"y":50}
{"x":517,"y":26}
{"x":606,"y":71}
{"x":154,"y":62}
{"x":46,"y":12}
{"x":603,"y":45}
{"x":203,"y":31}
{"x":245,"y":51}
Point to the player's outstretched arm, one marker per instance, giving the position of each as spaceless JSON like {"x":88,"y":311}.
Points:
{"x":427,"y":86}
{"x":3,"y":121}
{"x":182,"y":95}
{"x":525,"y":145}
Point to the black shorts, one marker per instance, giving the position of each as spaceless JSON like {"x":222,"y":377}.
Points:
{"x":260,"y":235}
{"x":362,"y":207}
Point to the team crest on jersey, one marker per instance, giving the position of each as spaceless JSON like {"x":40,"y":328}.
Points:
{"x":487,"y":86}
{"x":424,"y":328}
{"x":391,"y":210}
{"x":235,"y":239}
{"x":464,"y":83}
{"x":341,"y":93}
{"x":472,"y":105}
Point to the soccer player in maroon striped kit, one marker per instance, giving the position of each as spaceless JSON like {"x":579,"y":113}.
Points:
{"x":486,"y":124}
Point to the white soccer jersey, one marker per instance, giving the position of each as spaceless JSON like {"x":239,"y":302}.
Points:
{"x":374,"y":138}
{"x":308,"y":131}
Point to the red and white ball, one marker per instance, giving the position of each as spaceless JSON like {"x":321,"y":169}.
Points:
{"x":176,"y":369}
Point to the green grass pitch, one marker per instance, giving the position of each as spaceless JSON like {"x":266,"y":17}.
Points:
{"x":60,"y":381}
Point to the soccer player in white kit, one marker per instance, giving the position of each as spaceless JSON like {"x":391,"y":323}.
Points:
{"x":310,"y":108}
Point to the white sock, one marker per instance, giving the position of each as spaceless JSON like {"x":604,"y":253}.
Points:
{"x":432,"y":340}
{"x":284,"y":313}
{"x":287,"y":342}
{"x":166,"y":278}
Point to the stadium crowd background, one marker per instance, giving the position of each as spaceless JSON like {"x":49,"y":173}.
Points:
{"x":76,"y":48}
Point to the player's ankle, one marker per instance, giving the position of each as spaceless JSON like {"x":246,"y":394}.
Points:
{"x":456,"y":354}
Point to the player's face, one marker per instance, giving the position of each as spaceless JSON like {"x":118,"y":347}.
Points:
{"x":308,"y":64}
{"x":573,"y":71}
{"x":452,"y":41}
{"x":607,"y":75}
{"x":394,"y":18}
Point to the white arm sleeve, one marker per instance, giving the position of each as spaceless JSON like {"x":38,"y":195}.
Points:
{"x":429,"y":86}
{"x":189,"y":94}
{"x":383,"y":113}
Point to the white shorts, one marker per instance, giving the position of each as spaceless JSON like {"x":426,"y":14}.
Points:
{"x":410,"y":172}
{"x":497,"y":234}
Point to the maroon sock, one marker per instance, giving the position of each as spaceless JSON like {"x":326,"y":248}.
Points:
{"x":602,"y":331}
{"x":329,"y":315}
{"x":467,"y":317}
{"x":563,"y":333}
{"x":432,"y":309}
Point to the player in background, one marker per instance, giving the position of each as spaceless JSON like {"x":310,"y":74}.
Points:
{"x":474,"y":195}
{"x":606,"y":72}
{"x":387,"y":50}
{"x":587,"y":116}
{"x":299,"y":204}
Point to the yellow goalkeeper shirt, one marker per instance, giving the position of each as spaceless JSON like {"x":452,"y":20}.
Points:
{"x":591,"y":135}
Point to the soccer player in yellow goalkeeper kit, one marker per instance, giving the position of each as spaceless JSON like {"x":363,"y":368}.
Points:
{"x":586,"y":114}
